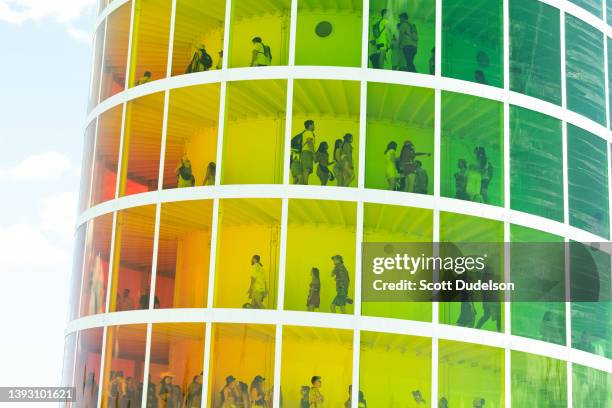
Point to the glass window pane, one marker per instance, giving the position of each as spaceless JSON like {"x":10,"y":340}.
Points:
{"x":393,"y":369}
{"x":191,"y":138}
{"x":609,"y":13}
{"x":472,"y":41}
{"x":535,"y":50}
{"x":538,"y":320}
{"x":475,"y":311}
{"x":133,"y":259}
{"x":198,"y":26}
{"x":269,"y":23}
{"x":116,"y":51}
{"x":591,"y":387}
{"x":150,"y":34}
{"x":536,"y":164}
{"x":472,"y":149}
{"x":400,"y":138}
{"x":96,"y":264}
{"x":175,"y":367}
{"x":317,"y":231}
{"x":142,"y":144}
{"x":87,"y":368}
{"x":124,"y":366}
{"x":86,"y":166}
{"x":403,"y":37}
{"x":333,"y":107}
{"x":183,"y":259}
{"x":470,"y":373}
{"x":247,"y":228}
{"x":254,"y":132}
{"x":610,"y":67}
{"x":584,"y":61}
{"x":594,"y":7}
{"x":77,"y":272}
{"x":538,"y":381}
{"x":241,"y":365}
{"x":94,"y":92}
{"x":394,"y":223}
{"x":68,"y":360}
{"x":322,"y":355}
{"x":106,"y":156}
{"x":329,"y":34}
{"x":587,"y":170}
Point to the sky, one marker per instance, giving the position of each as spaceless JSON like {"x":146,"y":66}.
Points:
{"x":45,"y":57}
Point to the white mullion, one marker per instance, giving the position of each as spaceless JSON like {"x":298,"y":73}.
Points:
{"x":292,"y":31}
{"x":363,"y":113}
{"x":220,"y":131}
{"x":568,"y":323}
{"x":280,"y":287}
{"x":171,"y":39}
{"x":111,"y":261}
{"x":278,"y":351}
{"x":102,"y":367}
{"x":357,"y":301}
{"x":226,"y":36}
{"x":206,"y":363}
{"x":356,"y":365}
{"x":365,"y":32}
{"x":164,"y":137}
{"x":129,"y":52}
{"x":147,"y":360}
{"x":287,"y":139}
{"x":153,"y":282}
{"x":121,"y":148}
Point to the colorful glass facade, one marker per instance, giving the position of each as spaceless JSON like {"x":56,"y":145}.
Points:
{"x":200,"y":223}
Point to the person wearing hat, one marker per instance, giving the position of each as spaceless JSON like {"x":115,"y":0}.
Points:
{"x":341,"y":275}
{"x":257,"y":393}
{"x":231,"y":396}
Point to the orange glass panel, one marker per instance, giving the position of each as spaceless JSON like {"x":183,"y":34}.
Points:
{"x":106,"y":156}
{"x":87,"y":367}
{"x":114,"y":67}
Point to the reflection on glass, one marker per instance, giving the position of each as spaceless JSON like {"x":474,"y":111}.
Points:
{"x":259,"y":33}
{"x":402,"y":35}
{"x":247,"y":253}
{"x":594,"y":7}
{"x":472,"y":41}
{"x":77,"y":272}
{"x":124,"y":366}
{"x":591,"y":387}
{"x":86,"y":166}
{"x":472,"y":149}
{"x":325,"y":133}
{"x":329,"y":33}
{"x":184,"y":254}
{"x":175,"y":368}
{"x":95,"y":265}
{"x":470,"y":375}
{"x":317,"y":366}
{"x":393,"y":223}
{"x":68,"y":362}
{"x":254,"y":132}
{"x":320,"y":266}
{"x":132,"y":259}
{"x":191,"y":138}
{"x":538,"y":320}
{"x":94,"y":92}
{"x":106,"y":156}
{"x":535,"y":50}
{"x":150,"y":33}
{"x":587,"y":170}
{"x":142,"y":144}
{"x":198,"y":36}
{"x":584,"y":61}
{"x":400,"y":138}
{"x":536,"y":164}
{"x":242,"y":365}
{"x":394,"y":370}
{"x":114,"y":67}
{"x":538,"y":381}
{"x":87,"y":367}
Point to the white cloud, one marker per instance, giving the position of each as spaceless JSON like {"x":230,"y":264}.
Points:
{"x":38,"y":167}
{"x":58,"y":214}
{"x":23,"y":246}
{"x":80,"y":35}
{"x":20,"y":11}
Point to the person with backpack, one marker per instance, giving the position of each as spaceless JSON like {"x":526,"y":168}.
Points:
{"x":261,"y":55}
{"x":201,"y":60}
{"x":380,"y":30}
{"x":408,"y":41}
{"x":184,"y":173}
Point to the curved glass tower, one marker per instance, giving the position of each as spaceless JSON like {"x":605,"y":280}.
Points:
{"x":239,"y":153}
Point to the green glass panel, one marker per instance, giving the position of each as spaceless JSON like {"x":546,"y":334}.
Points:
{"x":329,"y":35}
{"x":535,"y":50}
{"x":584,"y":64}
{"x":594,"y":7}
{"x":591,"y":387}
{"x":399,"y":114}
{"x":538,"y":381}
{"x":587,"y":169}
{"x":610,"y":67}
{"x":472,"y":149}
{"x":609,"y":12}
{"x":590,"y":280}
{"x":536,"y":164}
{"x":536,"y":320}
{"x":402,"y":42}
{"x":458,"y":228}
{"x":472,"y":41}
{"x":470,"y":373}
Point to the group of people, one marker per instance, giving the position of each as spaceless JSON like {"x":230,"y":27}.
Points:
{"x":311,"y":396}
{"x":185,"y":177}
{"x":125,"y":302}
{"x":396,"y":47}
{"x":305,"y":154}
{"x":237,"y":394}
{"x":404,"y":172}
{"x":341,"y":275}
{"x":472,"y":181}
{"x":202,"y":60}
